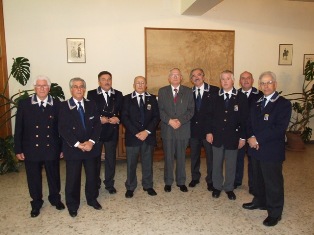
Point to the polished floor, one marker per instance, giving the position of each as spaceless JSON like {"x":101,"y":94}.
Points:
{"x":194,"y":212}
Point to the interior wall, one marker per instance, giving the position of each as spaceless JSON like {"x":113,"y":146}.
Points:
{"x":114,"y":34}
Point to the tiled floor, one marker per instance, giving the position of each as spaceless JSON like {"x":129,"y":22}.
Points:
{"x":195,"y":212}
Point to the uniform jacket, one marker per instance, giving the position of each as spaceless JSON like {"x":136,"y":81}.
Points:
{"x":71,"y":129}
{"x":200,"y":122}
{"x":228,"y":125}
{"x":36,"y":132}
{"x":269,"y":126}
{"x":131,"y":119}
{"x":109,"y":132}
{"x":183,"y":110}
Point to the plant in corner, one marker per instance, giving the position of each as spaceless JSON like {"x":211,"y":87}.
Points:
{"x":302,"y":106}
{"x":21,"y":72}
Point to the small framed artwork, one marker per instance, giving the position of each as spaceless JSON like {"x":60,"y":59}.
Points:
{"x":285,"y":54}
{"x":76,"y":52}
{"x":307,"y":57}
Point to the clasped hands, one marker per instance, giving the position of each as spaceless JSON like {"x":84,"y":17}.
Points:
{"x":174,"y":123}
{"x":142,"y":135}
{"x":253,"y":142}
{"x":112,"y":120}
{"x":86,"y":146}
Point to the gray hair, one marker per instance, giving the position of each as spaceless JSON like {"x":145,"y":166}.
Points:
{"x":174,"y":69}
{"x":192,"y":71}
{"x":268,"y":73}
{"x":227,"y":72}
{"x":42,"y":78}
{"x":77,"y":79}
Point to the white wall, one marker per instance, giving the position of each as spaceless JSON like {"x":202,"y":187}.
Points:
{"x":114,"y":34}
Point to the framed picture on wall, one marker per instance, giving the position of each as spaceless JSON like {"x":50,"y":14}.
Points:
{"x":307,"y":57}
{"x":285,"y":54}
{"x":76,"y":52}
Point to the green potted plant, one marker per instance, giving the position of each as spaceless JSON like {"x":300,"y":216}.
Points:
{"x":302,"y":111}
{"x":21,"y":72}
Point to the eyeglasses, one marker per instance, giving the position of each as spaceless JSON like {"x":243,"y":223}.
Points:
{"x":78,"y":87}
{"x":175,"y":75}
{"x":267,"y":83}
{"x":42,"y":86}
{"x":140,"y":83}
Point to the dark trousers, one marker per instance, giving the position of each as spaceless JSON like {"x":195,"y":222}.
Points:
{"x":34,"y":181}
{"x":132,"y":154}
{"x":268,"y":186}
{"x":175,"y":149}
{"x":110,"y":163}
{"x":240,"y":168}
{"x":73,"y":182}
{"x":195,"y":147}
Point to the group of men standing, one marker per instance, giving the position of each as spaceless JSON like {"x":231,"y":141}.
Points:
{"x":225,"y":121}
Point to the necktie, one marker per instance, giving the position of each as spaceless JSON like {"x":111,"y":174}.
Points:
{"x":142,"y":109}
{"x":246,"y":93}
{"x":81,"y":112}
{"x":42,"y":107}
{"x":175,"y":97}
{"x":227,"y":100}
{"x":198,"y":100}
{"x":263,"y":103}
{"x":107,"y":98}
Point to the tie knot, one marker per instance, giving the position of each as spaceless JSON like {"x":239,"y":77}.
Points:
{"x":42,"y":103}
{"x":227,"y":96}
{"x":246,"y":93}
{"x":140,"y":96}
{"x":79,"y":103}
{"x":107,"y":93}
{"x":175,"y":90}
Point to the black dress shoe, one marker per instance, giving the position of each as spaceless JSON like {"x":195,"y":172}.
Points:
{"x":129,"y":194}
{"x":252,"y":206}
{"x":193,"y":183}
{"x":210,"y":187}
{"x":231,"y":195}
{"x":216,"y":193}
{"x":59,"y":206}
{"x":73,"y":213}
{"x":150,"y":191}
{"x":271,"y":221}
{"x":35,"y":213}
{"x":167,"y":188}
{"x":95,"y":205}
{"x":183,"y":188}
{"x":111,"y":190}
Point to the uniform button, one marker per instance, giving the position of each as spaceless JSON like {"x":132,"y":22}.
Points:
{"x":47,"y":136}
{"x":196,"y":122}
{"x":48,"y":127}
{"x":36,"y":145}
{"x":226,"y":111}
{"x":36,"y":126}
{"x":36,"y":136}
{"x":47,"y":145}
{"x":73,"y":128}
{"x":225,"y":120}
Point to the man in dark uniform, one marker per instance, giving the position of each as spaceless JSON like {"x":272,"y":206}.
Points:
{"x":246,"y":81}
{"x":140,"y":116}
{"x":109,"y":103}
{"x":37,"y":143}
{"x":268,"y":120}
{"x":228,"y":134}
{"x":200,"y":123}
{"x":79,"y":127}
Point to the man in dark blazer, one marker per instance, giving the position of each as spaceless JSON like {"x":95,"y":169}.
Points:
{"x":228,"y":134}
{"x":140,"y":116}
{"x":268,"y":120}
{"x":246,"y":82}
{"x":176,"y":106}
{"x":80,"y":127}
{"x":200,"y":123}
{"x":109,"y":103}
{"x":37,"y":143}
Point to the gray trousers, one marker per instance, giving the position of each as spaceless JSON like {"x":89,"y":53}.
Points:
{"x":221,"y":155}
{"x":175,"y":149}
{"x":146,"y":153}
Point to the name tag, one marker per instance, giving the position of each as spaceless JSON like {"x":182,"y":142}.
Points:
{"x":266,"y":116}
{"x":235,"y":108}
{"x":149,"y":107}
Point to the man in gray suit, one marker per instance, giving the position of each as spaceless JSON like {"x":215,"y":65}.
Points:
{"x":176,"y":107}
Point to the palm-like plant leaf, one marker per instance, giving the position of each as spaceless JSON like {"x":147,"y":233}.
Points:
{"x":56,"y":91}
{"x":20,"y":70}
